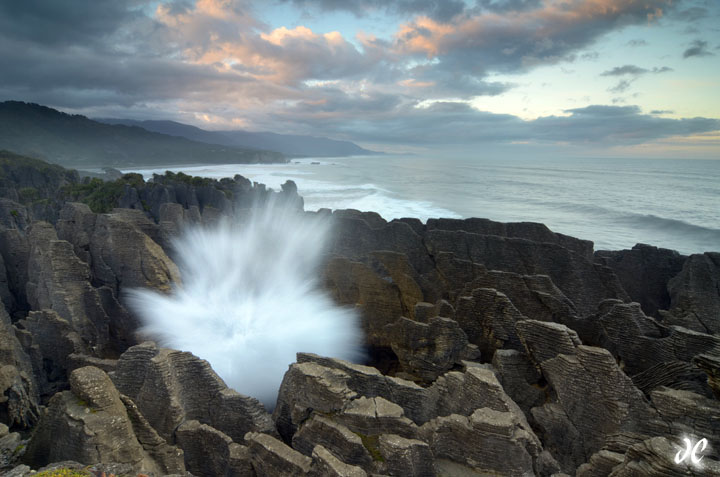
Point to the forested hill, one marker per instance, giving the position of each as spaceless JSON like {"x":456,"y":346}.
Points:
{"x":76,"y":141}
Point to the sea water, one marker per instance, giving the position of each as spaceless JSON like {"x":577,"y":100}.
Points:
{"x":616,"y":203}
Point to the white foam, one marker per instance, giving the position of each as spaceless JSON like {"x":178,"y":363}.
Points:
{"x":250,"y":301}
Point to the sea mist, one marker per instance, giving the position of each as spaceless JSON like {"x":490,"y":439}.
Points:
{"x":250,"y":299}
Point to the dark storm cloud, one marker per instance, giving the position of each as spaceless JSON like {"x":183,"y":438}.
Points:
{"x":507,"y":5}
{"x":442,"y":10}
{"x":698,"y":48}
{"x":57,"y":23}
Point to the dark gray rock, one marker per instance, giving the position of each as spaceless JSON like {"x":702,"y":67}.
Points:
{"x":644,"y":272}
{"x":325,"y":464}
{"x":90,"y":424}
{"x":488,"y":441}
{"x":170,"y":387}
{"x":584,"y":283}
{"x":427,"y":350}
{"x":695,"y":294}
{"x":405,"y":457}
{"x":333,"y":436}
{"x":210,"y":453}
{"x":526,"y":230}
{"x":270,"y":457}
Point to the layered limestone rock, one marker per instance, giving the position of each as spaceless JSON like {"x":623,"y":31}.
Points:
{"x":583,"y":282}
{"x":427,"y":350}
{"x":90,"y":423}
{"x":19,"y":399}
{"x":526,"y":230}
{"x":210,"y":453}
{"x":171,"y":387}
{"x":695,"y":294}
{"x":644,"y":272}
{"x":59,"y":281}
{"x":122,"y":256}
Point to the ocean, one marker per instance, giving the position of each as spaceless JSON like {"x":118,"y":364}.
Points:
{"x":616,"y":203}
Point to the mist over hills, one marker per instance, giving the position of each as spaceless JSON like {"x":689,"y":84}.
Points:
{"x":288,"y":144}
{"x":77,"y":141}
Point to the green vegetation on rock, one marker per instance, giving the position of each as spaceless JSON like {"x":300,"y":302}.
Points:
{"x":64,"y":473}
{"x":102,"y":196}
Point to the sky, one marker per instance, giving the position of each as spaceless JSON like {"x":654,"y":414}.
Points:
{"x":600,"y":78}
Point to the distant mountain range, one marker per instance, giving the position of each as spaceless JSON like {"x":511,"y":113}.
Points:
{"x":79,"y":142}
{"x":76,"y":141}
{"x":290,"y":145}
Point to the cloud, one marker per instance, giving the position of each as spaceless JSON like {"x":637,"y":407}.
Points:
{"x":621,"y":86}
{"x":441,"y":10}
{"x":698,"y":48}
{"x":636,"y":43}
{"x":547,"y":34}
{"x":215,"y":59}
{"x":624,"y":70}
{"x":634,"y":72}
{"x":458,"y":123}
